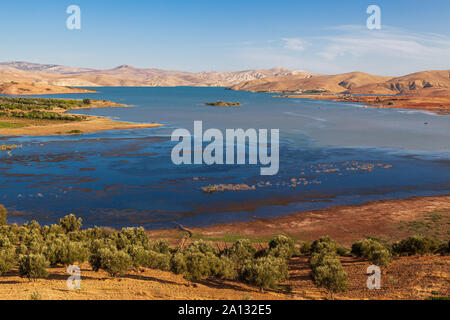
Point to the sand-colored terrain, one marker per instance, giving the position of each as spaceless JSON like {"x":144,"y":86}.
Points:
{"x":353,"y":83}
{"x":31,"y":88}
{"x":390,"y":220}
{"x":10,"y":126}
{"x":414,"y":277}
{"x":91,"y":124}
{"x":299,"y":83}
{"x":126,"y":75}
{"x":426,"y":90}
{"x":406,"y":278}
{"x":438,"y":104}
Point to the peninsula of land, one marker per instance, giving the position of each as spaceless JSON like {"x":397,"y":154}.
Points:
{"x":43,"y":117}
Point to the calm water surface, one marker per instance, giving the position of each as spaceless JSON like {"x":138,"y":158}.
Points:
{"x":338,"y":153}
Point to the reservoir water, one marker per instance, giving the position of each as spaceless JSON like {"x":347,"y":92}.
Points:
{"x":331,"y":153}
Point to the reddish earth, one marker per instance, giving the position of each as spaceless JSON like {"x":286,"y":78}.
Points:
{"x":389,"y":220}
{"x":406,"y":278}
{"x":439,"y":104}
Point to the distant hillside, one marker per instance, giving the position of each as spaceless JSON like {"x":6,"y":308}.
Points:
{"x":420,"y":83}
{"x":320,"y":83}
{"x":126,"y":75}
{"x":27,"y":88}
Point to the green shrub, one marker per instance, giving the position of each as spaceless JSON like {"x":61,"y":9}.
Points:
{"x":139,"y":256}
{"x":3,"y":215}
{"x":444,"y":248}
{"x":282,"y":247}
{"x":305,"y":249}
{"x":54,"y":229}
{"x":178,"y":263}
{"x":160,"y":246}
{"x":241,"y":251}
{"x":197,"y":266}
{"x":115,"y":262}
{"x":223,"y":268}
{"x":32,"y":242}
{"x":415,"y":245}
{"x":203,"y":247}
{"x":327,"y":244}
{"x":86,"y":101}
{"x":373,"y":251}
{"x":70,"y":223}
{"x":324,"y":244}
{"x":5,"y":242}
{"x":33,"y":266}
{"x":265,"y":272}
{"x":62,"y":251}
{"x":7,"y":259}
{"x":130,"y":236}
{"x":328,"y":273}
{"x":160,"y":261}
{"x":331,"y":277}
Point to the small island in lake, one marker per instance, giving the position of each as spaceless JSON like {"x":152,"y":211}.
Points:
{"x":223,"y":104}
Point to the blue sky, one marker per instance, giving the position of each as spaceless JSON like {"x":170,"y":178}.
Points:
{"x":196,"y":35}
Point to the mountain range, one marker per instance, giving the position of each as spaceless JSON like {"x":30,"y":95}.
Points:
{"x":32,"y":78}
{"x":429,"y":83}
{"x":126,"y":75}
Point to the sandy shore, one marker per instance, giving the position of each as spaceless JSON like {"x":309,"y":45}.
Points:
{"x":92,"y":124}
{"x":27,"y":88}
{"x":436,"y":104}
{"x":27,"y":127}
{"x":389,"y":220}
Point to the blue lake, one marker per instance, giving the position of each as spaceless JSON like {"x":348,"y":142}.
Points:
{"x":338,"y":153}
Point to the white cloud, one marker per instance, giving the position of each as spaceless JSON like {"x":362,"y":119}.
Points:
{"x":389,"y":51}
{"x":389,"y":42}
{"x":295,"y":44}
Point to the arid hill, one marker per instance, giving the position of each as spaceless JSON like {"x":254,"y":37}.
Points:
{"x":429,"y":83}
{"x":320,"y":83}
{"x":31,"y":88}
{"x":128,"y":76}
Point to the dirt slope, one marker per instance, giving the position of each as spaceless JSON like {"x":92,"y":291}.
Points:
{"x":429,"y":83}
{"x":126,"y":75}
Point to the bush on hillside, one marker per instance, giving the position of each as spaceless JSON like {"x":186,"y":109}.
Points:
{"x":282,"y":247}
{"x":197,"y":265}
{"x":3,"y":215}
{"x":305,"y":249}
{"x":70,"y":223}
{"x":415,"y":245}
{"x":178,"y":263}
{"x":241,"y":251}
{"x":7,"y":259}
{"x":328,"y":273}
{"x":33,"y":266}
{"x":223,"y":268}
{"x":265,"y":272}
{"x":373,"y":251}
{"x":62,"y":251}
{"x":444,"y":248}
{"x":115,"y":262}
{"x":160,"y":246}
{"x":160,"y":261}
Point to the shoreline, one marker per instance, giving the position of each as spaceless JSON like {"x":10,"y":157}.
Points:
{"x":88,"y":125}
{"x":438,"y":105}
{"x":389,"y":220}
